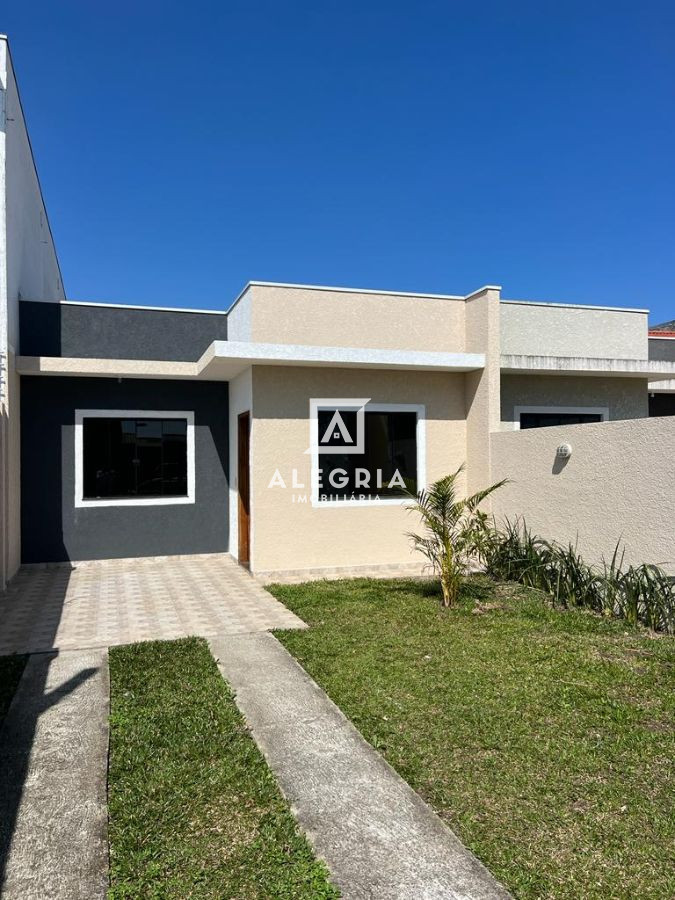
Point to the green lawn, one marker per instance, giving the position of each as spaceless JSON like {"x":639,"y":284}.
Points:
{"x":11,"y":669}
{"x":193,"y":809}
{"x":544,"y":738}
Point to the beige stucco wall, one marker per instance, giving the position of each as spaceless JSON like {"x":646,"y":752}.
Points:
{"x":534,"y":329}
{"x":336,"y":318}
{"x":626,"y":398}
{"x":482,"y":389}
{"x":289,"y":535}
{"x":618,"y":483}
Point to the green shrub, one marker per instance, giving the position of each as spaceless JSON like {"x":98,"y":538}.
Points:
{"x":642,"y":594}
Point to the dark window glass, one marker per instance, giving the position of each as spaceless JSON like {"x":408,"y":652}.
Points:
{"x":544,"y":420}
{"x":134,"y":458}
{"x":390,"y":454}
{"x":662,"y":404}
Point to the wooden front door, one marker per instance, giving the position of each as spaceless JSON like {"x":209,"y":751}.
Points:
{"x":244,"y":488}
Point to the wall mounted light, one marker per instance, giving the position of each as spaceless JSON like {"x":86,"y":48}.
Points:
{"x":564,"y":451}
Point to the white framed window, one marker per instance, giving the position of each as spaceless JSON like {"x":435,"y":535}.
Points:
{"x":547,"y":416}
{"x":393,"y":459}
{"x":134,"y":457}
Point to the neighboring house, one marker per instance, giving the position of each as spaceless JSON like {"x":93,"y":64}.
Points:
{"x":150,"y":431}
{"x":662,"y":347}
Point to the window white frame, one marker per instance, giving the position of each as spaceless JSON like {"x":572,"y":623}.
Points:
{"x":81,"y":414}
{"x":420,"y":440}
{"x":602,"y":411}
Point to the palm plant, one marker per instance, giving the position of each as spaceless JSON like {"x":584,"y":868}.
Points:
{"x":454,"y":531}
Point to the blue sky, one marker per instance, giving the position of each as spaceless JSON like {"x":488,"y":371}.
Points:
{"x":187,"y":148}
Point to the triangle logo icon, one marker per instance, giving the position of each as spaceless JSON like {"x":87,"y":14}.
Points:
{"x":336,"y":429}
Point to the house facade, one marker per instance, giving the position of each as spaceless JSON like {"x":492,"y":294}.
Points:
{"x":150,"y":432}
{"x":287,"y":429}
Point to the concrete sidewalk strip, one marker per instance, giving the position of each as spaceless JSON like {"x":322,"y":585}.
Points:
{"x":379,"y":839}
{"x":54,"y":751}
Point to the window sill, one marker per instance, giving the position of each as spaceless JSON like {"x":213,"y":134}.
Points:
{"x":135,"y":501}
{"x":382,"y":501}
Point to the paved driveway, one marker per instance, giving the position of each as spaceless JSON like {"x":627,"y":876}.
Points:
{"x":99,"y":604}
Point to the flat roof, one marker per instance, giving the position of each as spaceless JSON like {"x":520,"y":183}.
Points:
{"x":352,"y":290}
{"x":97,"y":303}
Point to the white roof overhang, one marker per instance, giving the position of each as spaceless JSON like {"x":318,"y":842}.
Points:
{"x":224,"y":360}
{"x":653,"y":369}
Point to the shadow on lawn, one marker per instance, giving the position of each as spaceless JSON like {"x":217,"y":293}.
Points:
{"x":474,"y":587}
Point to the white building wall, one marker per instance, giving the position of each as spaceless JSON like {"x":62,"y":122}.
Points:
{"x":28,"y":270}
{"x":556,"y":329}
{"x":239,"y":318}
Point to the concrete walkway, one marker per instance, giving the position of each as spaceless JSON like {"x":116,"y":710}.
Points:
{"x":378,"y":837}
{"x":54,"y":752}
{"x":121,"y":601}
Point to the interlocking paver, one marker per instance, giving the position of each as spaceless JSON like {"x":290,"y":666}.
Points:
{"x":108,"y":602}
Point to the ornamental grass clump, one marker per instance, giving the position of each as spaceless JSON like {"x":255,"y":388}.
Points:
{"x":647,"y":595}
{"x":642,"y":594}
{"x":454,"y":530}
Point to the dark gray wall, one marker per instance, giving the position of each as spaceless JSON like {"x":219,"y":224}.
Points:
{"x":52,"y":529}
{"x":662,"y":349}
{"x":55,"y":329}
